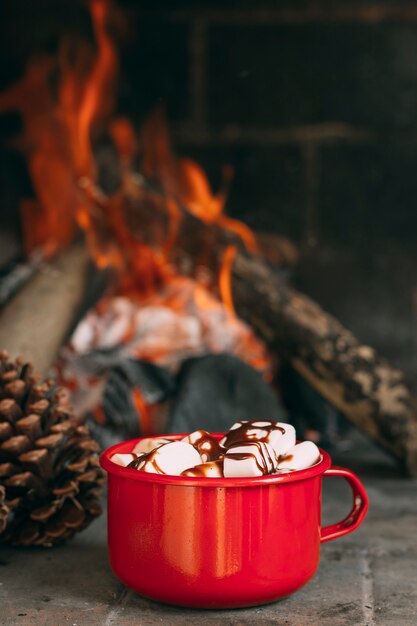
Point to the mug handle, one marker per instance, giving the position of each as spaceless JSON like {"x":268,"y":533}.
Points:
{"x":359,"y":509}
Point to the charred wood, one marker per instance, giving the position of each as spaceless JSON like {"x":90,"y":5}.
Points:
{"x":217,"y":390}
{"x":365,"y":388}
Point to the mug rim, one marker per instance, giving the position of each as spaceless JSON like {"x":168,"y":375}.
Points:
{"x":127,"y":473}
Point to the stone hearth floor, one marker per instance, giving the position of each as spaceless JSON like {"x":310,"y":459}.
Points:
{"x":368,"y":578}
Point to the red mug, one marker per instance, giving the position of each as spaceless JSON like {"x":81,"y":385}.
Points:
{"x":220,"y":542}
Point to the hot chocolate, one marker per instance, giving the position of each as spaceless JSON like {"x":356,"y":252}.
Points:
{"x":249,"y":448}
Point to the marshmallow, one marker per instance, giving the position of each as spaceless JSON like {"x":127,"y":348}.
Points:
{"x":301,"y":456}
{"x":147,"y":445}
{"x":250,"y":448}
{"x":279,"y":435}
{"x":170,"y":458}
{"x":212,"y":469}
{"x":123,"y":459}
{"x":253,"y":458}
{"x":282,"y":439}
{"x":207,"y":446}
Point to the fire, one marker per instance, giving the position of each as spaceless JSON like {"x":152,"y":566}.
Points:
{"x":56,"y":137}
{"x":198,"y":198}
{"x":225,"y":278}
{"x":58,"y":142}
{"x":99,"y":80}
{"x":144,"y":411}
{"x":48,"y":220}
{"x":164,"y":216}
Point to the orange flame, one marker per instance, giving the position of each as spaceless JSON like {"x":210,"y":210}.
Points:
{"x":198,"y":198}
{"x":98,"y":82}
{"x":225,"y":278}
{"x":142,"y":409}
{"x":57,"y":132}
{"x":85,"y":92}
{"x":158,"y":162}
{"x":58,"y":140}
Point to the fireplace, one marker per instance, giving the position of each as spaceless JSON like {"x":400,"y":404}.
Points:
{"x":295,"y":176}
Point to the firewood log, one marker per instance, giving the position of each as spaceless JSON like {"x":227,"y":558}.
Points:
{"x":365,"y":388}
{"x":37,"y":321}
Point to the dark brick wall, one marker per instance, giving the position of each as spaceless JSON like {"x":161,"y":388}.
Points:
{"x":291,"y":74}
{"x":313,"y":103}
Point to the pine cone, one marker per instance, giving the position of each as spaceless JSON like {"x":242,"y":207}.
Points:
{"x":48,"y":461}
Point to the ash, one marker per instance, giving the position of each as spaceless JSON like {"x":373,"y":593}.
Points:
{"x":175,"y":361}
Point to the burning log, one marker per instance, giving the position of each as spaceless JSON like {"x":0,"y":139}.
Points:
{"x":370,"y":393}
{"x":36,"y":322}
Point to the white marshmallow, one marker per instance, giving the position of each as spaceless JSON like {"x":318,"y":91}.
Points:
{"x":252,"y":458}
{"x":282,"y":441}
{"x":147,"y":445}
{"x":123,"y":459}
{"x":301,"y":456}
{"x":212,"y":469}
{"x":171,"y":458}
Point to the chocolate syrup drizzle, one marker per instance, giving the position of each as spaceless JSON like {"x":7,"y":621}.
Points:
{"x":149,"y":457}
{"x":203,"y":470}
{"x":264,"y":462}
{"x":208,"y":447}
{"x":141,"y":458}
{"x":240,"y":434}
{"x":235,"y":438}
